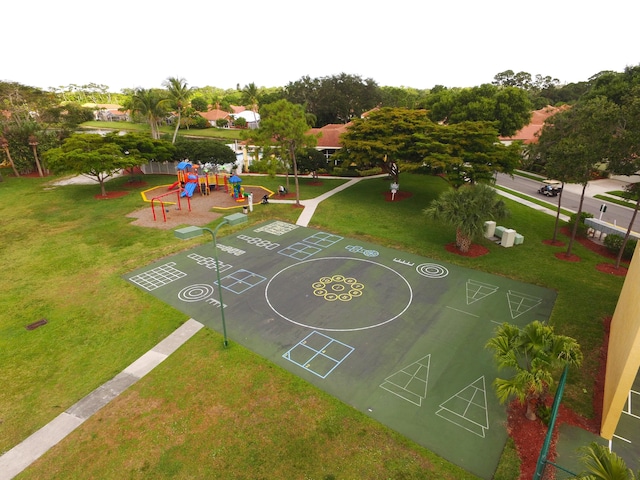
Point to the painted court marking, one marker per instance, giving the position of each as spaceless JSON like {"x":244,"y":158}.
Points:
{"x":209,"y":262}
{"x":277,"y":228}
{"x":432,"y":270}
{"x":359,"y":249}
{"x":628,"y":410}
{"x":468,"y":408}
{"x":240,"y":281}
{"x":297,"y":265}
{"x":520,"y":303}
{"x":319,"y":354}
{"x":299,"y":251}
{"x":410,"y":383}
{"x":478,"y":290}
{"x":195,"y":293}
{"x":157,"y":277}
{"x":323,"y":240}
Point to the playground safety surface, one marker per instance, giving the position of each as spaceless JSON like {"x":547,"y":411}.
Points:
{"x":397,"y":336}
{"x":201,"y":208}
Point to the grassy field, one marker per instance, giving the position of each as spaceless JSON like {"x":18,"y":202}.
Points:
{"x":206,"y":410}
{"x":226,"y":134}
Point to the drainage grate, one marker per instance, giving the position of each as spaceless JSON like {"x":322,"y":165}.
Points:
{"x":39,"y":323}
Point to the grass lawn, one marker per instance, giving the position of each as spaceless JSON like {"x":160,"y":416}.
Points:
{"x":206,"y":410}
{"x":217,"y":133}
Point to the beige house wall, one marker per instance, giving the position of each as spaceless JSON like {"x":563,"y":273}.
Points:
{"x":623,"y":354}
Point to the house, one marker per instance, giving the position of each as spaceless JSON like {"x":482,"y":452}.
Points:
{"x":529,"y":133}
{"x":108,"y":112}
{"x":215,"y":114}
{"x":212,"y":116}
{"x":329,"y":140}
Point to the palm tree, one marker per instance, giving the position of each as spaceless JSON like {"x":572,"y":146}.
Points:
{"x":533,"y":353}
{"x":250,"y":94}
{"x":179,"y":94}
{"x":152,"y":105}
{"x":602,"y":464}
{"x":4,"y":144}
{"x":467,"y":208}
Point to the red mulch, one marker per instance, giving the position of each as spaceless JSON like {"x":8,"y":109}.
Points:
{"x":595,"y":247}
{"x":475,"y":250}
{"x":399,"y":196}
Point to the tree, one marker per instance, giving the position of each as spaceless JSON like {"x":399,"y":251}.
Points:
{"x":200,"y":104}
{"x":574,"y":142}
{"x":509,"y":106}
{"x":90,"y":155}
{"x":250,"y":98}
{"x":335,"y":99}
{"x":384,"y":133}
{"x":151,"y":104}
{"x":602,"y":464}
{"x":179,"y":94}
{"x":283,"y":127}
{"x":533,"y":354}
{"x":467,"y":208}
{"x":204,"y":151}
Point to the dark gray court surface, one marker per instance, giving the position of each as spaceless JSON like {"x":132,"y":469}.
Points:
{"x":398,"y":336}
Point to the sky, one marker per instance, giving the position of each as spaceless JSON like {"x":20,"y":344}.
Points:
{"x":403,"y":43}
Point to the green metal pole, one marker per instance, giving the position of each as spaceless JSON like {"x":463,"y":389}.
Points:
{"x":542,"y":458}
{"x":215,"y":256}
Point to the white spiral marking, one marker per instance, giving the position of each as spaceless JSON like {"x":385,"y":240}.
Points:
{"x":432,"y":270}
{"x":195,"y":293}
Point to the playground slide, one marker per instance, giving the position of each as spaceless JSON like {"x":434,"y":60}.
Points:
{"x":189,"y":188}
{"x":174,"y":185}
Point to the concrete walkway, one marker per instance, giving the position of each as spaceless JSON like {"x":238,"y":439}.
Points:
{"x":29,"y":450}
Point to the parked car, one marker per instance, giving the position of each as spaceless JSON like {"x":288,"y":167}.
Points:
{"x":550,"y":188}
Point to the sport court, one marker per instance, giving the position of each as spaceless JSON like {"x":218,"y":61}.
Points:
{"x":397,"y":336}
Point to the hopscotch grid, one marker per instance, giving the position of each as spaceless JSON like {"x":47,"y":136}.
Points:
{"x":277,"y":228}
{"x":304,"y":343}
{"x":238,"y":284}
{"x":209,"y":262}
{"x":323,"y":239}
{"x":299,"y":251}
{"x":158,"y":277}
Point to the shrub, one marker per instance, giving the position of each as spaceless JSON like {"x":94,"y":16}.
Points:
{"x":582,"y":227}
{"x":613,"y":243}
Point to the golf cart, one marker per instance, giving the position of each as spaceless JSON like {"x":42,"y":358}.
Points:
{"x":550,"y":188}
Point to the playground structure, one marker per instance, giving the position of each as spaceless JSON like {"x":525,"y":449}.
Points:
{"x":157,"y":199}
{"x":189,"y":179}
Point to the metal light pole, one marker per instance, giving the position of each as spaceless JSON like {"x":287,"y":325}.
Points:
{"x":191,"y":232}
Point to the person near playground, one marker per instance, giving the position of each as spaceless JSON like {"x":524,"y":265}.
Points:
{"x":282,"y":190}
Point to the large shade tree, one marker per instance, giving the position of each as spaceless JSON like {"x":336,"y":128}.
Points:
{"x":533,"y":355}
{"x":91,"y":155}
{"x":466,"y":209}
{"x":283,"y":130}
{"x":508,"y":106}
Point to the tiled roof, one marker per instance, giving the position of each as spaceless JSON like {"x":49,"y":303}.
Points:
{"x":529,"y":133}
{"x":330,"y":135}
{"x":213,"y":115}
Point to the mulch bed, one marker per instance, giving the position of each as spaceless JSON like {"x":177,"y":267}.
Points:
{"x":595,"y":247}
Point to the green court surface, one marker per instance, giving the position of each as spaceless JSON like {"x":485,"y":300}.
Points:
{"x":398,"y":336}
